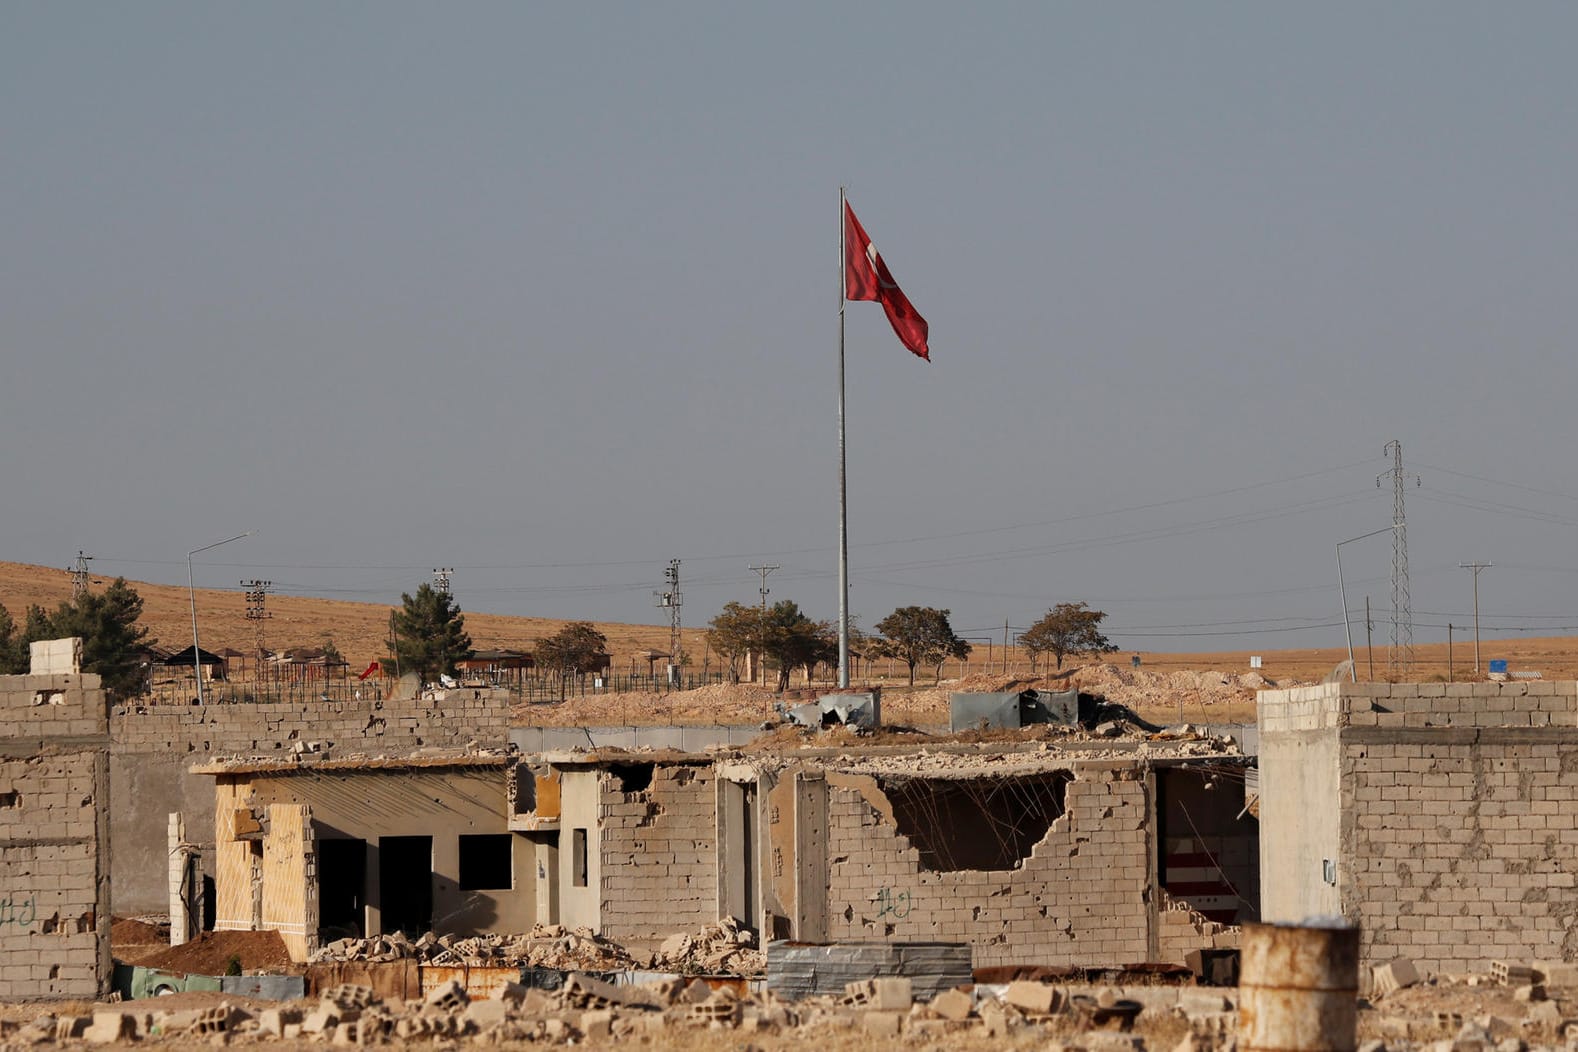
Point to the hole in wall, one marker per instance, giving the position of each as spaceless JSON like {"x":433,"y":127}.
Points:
{"x":975,"y":823}
{"x":632,"y":777}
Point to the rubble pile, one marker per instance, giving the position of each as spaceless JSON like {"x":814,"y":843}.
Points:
{"x":588,"y":1011}
{"x":719,"y":949}
{"x":545,"y":946}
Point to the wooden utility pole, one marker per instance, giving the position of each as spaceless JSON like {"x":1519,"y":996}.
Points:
{"x":1449,"y":652}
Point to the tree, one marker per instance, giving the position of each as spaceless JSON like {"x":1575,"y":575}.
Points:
{"x":111,"y":638}
{"x":735,"y":632}
{"x":792,"y":640}
{"x":920,"y":634}
{"x":577,"y":647}
{"x":430,"y":633}
{"x":1067,"y":628}
{"x":13,"y":648}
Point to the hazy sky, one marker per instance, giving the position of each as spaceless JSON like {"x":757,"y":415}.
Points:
{"x":548,"y":293}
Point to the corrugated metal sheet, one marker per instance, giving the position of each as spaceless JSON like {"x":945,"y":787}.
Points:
{"x":265,"y":987}
{"x":799,"y":969}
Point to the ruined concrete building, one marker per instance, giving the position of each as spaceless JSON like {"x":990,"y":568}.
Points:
{"x":54,"y":824}
{"x":343,"y":848}
{"x":1087,"y":853}
{"x":1440,"y":817}
{"x":1108,"y":854}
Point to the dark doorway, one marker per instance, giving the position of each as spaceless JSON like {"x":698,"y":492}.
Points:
{"x":342,"y":883}
{"x":405,"y":883}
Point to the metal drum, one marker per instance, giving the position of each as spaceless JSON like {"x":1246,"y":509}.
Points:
{"x":1298,"y":988}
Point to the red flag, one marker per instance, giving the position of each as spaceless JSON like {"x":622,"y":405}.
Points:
{"x":866,"y":277}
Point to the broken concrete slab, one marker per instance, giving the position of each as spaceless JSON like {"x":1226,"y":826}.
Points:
{"x":1396,"y":974}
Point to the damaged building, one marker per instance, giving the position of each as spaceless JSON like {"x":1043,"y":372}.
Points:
{"x":1113,"y":854}
{"x":1088,"y":853}
{"x":342,"y":848}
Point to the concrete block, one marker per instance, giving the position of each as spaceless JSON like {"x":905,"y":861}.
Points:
{"x":597,"y":1024}
{"x":1557,"y":974}
{"x":450,"y":996}
{"x":320,"y":1021}
{"x":1544,"y":1014}
{"x":882,"y":1023}
{"x":892,"y":994}
{"x":1032,"y":998}
{"x":110,"y":1028}
{"x":485,"y":1015}
{"x":1394,"y":975}
{"x":952,"y":1004}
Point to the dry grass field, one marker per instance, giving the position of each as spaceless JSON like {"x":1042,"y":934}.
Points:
{"x":360,"y":629}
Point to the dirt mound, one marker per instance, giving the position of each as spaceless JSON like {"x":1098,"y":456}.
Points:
{"x":210,"y":954}
{"x":124,"y":931}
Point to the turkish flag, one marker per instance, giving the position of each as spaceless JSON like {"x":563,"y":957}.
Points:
{"x":866,"y":277}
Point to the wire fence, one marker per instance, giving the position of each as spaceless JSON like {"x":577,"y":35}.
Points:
{"x":555,"y":688}
{"x":282,"y":689}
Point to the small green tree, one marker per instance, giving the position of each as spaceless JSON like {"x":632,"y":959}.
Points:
{"x":920,"y":635}
{"x":1067,"y":628}
{"x":578,"y":647}
{"x":430,"y":633}
{"x":111,"y":638}
{"x":13,"y":648}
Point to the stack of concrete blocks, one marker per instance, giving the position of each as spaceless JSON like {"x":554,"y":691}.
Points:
{"x":1439,"y":817}
{"x":1086,"y":895}
{"x":659,"y":860}
{"x":54,"y":818}
{"x":154,"y":745}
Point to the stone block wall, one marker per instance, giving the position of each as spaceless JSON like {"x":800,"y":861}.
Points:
{"x":1085,"y":895}
{"x":659,"y":854}
{"x":152,"y":747}
{"x":54,"y":849}
{"x":1458,"y":813}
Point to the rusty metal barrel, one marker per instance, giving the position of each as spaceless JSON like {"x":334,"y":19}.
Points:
{"x":1298,"y":987}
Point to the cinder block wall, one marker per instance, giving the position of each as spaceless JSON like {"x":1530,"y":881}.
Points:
{"x":1084,"y":896}
{"x":54,"y":806}
{"x":152,"y":747}
{"x":1458,"y":832}
{"x":659,"y":855}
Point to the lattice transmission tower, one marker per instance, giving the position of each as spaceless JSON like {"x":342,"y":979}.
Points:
{"x":80,"y":578}
{"x":1400,"y":652}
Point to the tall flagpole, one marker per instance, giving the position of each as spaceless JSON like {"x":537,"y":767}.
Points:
{"x":843,"y":505}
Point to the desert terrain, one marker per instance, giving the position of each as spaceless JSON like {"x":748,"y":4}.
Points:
{"x":1213,"y":686}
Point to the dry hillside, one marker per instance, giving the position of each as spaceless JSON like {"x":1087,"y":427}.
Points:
{"x":359,"y":630}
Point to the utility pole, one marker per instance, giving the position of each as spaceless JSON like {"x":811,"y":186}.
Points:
{"x":441,"y":575}
{"x":1476,"y":567}
{"x":1369,"y":643}
{"x":672,"y":600}
{"x":1005,"y":646}
{"x":1449,"y":652}
{"x":257,"y":612}
{"x":79,"y":576}
{"x":1400,"y":656}
{"x":764,"y":571}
